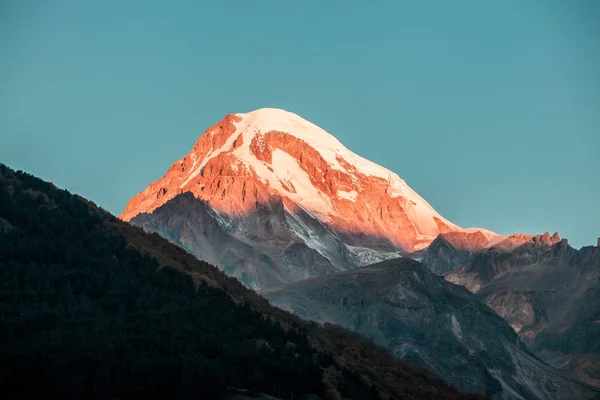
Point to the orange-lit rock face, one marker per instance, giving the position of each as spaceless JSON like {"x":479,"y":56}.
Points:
{"x":246,"y":159}
{"x":471,"y":242}
{"x":519,"y":239}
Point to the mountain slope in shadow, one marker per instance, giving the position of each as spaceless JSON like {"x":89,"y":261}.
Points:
{"x":91,"y":307}
{"x":422,"y":318}
{"x":549,"y":293}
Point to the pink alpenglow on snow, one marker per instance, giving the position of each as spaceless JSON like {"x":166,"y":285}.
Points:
{"x":246,"y":159}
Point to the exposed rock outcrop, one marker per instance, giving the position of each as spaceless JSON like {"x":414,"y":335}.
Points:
{"x":547,"y":291}
{"x":424,"y":319}
{"x":246,"y":158}
{"x":344,"y":208}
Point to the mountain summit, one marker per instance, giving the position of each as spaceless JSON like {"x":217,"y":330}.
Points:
{"x":305,"y":184}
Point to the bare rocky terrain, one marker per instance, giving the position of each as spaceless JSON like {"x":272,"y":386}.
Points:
{"x":424,"y":319}
{"x":546,"y":290}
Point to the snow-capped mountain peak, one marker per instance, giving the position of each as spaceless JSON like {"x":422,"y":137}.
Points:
{"x":247,"y":158}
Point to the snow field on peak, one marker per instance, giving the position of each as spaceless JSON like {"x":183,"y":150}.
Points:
{"x":286,"y":176}
{"x":352,"y":195}
{"x":268,"y":119}
{"x":303,"y":191}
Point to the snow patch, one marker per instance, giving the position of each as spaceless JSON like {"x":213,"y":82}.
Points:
{"x":306,"y":234}
{"x":259,"y":122}
{"x":265,"y":120}
{"x":362,"y":256}
{"x":352,"y":195}
{"x":306,"y":193}
{"x":456,"y":329}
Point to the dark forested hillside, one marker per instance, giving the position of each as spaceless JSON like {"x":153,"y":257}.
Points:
{"x":91,"y":307}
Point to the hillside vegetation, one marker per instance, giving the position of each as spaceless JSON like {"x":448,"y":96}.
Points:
{"x":91,"y":307}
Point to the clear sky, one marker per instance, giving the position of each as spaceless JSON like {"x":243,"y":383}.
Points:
{"x":490,"y":110}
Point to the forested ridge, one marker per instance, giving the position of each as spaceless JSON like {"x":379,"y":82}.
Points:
{"x":91,"y":307}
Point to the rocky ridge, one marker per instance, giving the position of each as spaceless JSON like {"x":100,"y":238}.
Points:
{"x":545,"y":289}
{"x":422,"y":318}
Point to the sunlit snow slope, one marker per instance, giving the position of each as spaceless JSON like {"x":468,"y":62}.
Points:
{"x":328,"y":198}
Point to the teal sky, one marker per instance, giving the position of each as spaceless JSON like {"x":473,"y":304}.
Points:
{"x":488,"y":109}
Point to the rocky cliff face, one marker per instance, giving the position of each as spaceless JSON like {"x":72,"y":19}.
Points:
{"x":345,"y":208}
{"x":454,"y":248}
{"x":422,"y":318}
{"x":269,"y":248}
{"x":546,"y":290}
